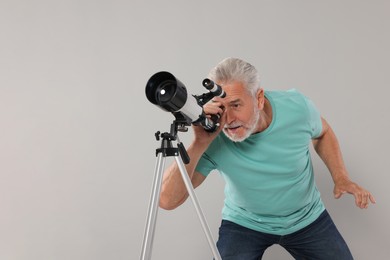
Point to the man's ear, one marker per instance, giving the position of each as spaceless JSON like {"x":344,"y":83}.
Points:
{"x":260,"y":99}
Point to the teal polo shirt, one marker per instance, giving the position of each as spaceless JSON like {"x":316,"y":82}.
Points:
{"x":269,"y":181}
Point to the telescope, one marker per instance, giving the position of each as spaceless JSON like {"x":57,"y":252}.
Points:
{"x":168,"y":93}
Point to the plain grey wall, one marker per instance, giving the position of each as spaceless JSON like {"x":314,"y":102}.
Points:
{"x":77,"y":147}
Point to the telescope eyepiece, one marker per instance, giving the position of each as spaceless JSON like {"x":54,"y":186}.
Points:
{"x":214,"y":88}
{"x":208,"y":83}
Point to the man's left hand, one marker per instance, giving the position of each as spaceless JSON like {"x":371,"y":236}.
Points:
{"x":362,"y":196}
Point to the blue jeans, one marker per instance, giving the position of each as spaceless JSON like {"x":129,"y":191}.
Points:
{"x":320,"y":241}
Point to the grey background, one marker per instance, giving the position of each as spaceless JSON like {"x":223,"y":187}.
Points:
{"x":77,"y":147}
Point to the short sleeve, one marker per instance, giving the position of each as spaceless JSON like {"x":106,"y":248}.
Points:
{"x":315,"y":122}
{"x":205,"y":165}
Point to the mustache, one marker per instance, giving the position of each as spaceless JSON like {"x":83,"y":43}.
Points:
{"x":234,"y":124}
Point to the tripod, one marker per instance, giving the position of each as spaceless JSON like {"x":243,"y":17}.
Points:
{"x":181,"y":157}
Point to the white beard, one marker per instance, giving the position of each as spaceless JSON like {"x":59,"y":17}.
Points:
{"x":251,"y":127}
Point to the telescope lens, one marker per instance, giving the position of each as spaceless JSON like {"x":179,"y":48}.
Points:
{"x":165,"y":91}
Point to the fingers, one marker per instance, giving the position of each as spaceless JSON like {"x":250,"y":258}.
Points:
{"x":213,"y":108}
{"x":363,"y":199}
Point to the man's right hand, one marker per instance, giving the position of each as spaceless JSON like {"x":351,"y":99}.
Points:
{"x":202,"y":136}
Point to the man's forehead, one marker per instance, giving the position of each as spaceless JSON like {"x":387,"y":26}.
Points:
{"x":235,"y":92}
{"x":227,"y":99}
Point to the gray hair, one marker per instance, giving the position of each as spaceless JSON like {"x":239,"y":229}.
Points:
{"x":233,"y":69}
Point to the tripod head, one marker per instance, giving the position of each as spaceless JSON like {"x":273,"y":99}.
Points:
{"x":180,"y":124}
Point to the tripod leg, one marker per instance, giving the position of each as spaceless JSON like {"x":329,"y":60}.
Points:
{"x":147,"y":245}
{"x":194,"y":199}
